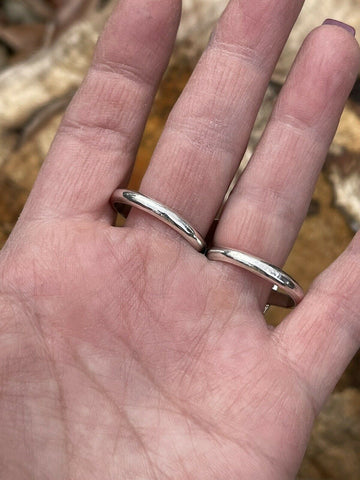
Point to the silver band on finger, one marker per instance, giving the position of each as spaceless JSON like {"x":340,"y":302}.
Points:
{"x":286,"y":292}
{"x":161,"y":212}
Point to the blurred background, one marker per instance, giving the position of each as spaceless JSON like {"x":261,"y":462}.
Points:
{"x":45,"y":49}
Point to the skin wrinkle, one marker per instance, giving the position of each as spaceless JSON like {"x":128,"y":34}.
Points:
{"x":181,"y":461}
{"x":197,"y":133}
{"x":221,"y":433}
{"x":60,"y":211}
{"x":245,"y":302}
{"x":200,"y":346}
{"x":253,"y":57}
{"x":308,"y":128}
{"x":141,"y":298}
{"x":130,"y":248}
{"x":47,"y":358}
{"x":91,"y":133}
{"x":296,"y":126}
{"x":271,"y":15}
{"x":154,"y":229}
{"x":124,"y":71}
{"x":201,"y":424}
{"x":304,"y":357}
{"x":168,"y":284}
{"x":317,"y":359}
{"x":273,"y":202}
{"x":136,"y":359}
{"x":206,"y":426}
{"x":220,"y":99}
{"x":207,"y":131}
{"x":286,"y":359}
{"x":160,"y":25}
{"x":26,"y":472}
{"x":115,"y":110}
{"x":210,"y":323}
{"x":40,"y":335}
{"x":181,"y":412}
{"x":339,"y":304}
{"x":61,"y":398}
{"x":195,"y":352}
{"x":271,"y":459}
{"x":121,"y":412}
{"x":310,"y":59}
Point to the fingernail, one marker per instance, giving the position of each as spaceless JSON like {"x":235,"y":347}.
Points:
{"x":345,"y":26}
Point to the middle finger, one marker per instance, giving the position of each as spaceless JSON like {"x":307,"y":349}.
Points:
{"x":208,"y":130}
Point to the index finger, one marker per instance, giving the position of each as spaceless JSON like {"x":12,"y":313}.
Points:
{"x":96,"y":144}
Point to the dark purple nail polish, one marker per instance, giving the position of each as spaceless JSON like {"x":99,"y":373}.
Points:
{"x":330,"y":21}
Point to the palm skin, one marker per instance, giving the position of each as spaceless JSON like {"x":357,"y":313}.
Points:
{"x":101,"y":376}
{"x":124,"y":352}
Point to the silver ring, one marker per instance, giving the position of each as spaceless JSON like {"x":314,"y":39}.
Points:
{"x":286,"y":292}
{"x":159,"y":211}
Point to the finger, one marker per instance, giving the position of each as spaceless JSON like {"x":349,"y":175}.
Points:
{"x":323,"y":334}
{"x":268,"y":206}
{"x":208,"y":130}
{"x":97,"y":141}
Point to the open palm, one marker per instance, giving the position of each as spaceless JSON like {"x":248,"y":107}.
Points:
{"x":124,"y":352}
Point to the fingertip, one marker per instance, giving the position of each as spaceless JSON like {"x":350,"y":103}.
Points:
{"x":323,"y":75}
{"x":335,"y":43}
{"x":140,"y":27}
{"x":342,"y":34}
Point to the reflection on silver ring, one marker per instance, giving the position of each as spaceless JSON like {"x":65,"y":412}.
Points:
{"x":159,"y":211}
{"x":286,"y":292}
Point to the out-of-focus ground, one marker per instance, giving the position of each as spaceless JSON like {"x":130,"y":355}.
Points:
{"x":40,"y":68}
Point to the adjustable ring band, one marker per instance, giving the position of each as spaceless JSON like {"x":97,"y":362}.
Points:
{"x":159,"y":211}
{"x":286,"y":292}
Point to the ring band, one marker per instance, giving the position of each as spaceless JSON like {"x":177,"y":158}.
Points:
{"x":159,"y":211}
{"x":286,"y":292}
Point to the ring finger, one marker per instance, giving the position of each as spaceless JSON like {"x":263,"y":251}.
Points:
{"x":269,"y":203}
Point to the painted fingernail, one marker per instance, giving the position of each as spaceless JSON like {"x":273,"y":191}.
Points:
{"x":345,"y":26}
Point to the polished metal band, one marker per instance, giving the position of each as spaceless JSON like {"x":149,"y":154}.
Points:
{"x":159,"y":211}
{"x":286,"y":292}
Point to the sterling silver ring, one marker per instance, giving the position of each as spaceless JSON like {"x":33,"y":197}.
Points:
{"x":161,"y":212}
{"x":286,"y":292}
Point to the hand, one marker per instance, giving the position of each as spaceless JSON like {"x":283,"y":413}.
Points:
{"x":126,"y":354}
